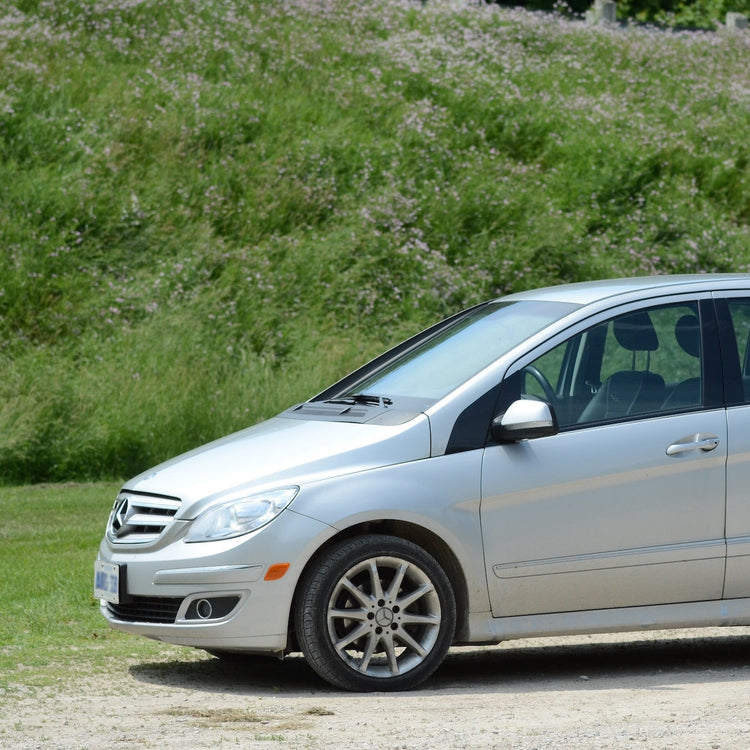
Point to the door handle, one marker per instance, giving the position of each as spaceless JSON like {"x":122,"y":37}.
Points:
{"x":699,"y":442}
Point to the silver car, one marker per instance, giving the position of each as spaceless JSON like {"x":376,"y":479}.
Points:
{"x":552,"y":462}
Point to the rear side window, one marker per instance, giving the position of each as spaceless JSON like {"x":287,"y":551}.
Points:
{"x":739,"y":313}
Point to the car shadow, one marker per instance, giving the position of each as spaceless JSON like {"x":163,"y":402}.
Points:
{"x":591,"y":665}
{"x":649,"y":664}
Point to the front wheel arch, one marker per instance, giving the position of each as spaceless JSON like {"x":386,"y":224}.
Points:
{"x":419,"y":535}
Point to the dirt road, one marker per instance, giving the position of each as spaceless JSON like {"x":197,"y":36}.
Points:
{"x":667,"y":689}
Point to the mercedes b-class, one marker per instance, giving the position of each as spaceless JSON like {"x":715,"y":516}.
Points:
{"x":567,"y":460}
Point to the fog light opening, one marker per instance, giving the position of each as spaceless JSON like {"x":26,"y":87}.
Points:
{"x":204,"y":609}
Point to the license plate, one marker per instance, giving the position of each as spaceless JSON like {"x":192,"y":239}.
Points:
{"x":107,"y":582}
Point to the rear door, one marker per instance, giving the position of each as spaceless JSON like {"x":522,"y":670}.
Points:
{"x":734,"y":315}
{"x":625,"y":506}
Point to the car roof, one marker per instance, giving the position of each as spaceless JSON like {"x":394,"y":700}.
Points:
{"x":589,"y":292}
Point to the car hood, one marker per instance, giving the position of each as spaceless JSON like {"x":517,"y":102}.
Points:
{"x":281,"y":452}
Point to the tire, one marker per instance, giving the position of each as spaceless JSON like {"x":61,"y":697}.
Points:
{"x":376,"y":613}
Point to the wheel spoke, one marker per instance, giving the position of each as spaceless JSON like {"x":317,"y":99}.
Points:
{"x":348,"y":614}
{"x":415,"y":619}
{"x":351,"y":637}
{"x":390,"y":652}
{"x":372,"y":643}
{"x":398,"y":579}
{"x":377,"y":587}
{"x":403,"y":636}
{"x":409,"y":599}
{"x":364,"y":599}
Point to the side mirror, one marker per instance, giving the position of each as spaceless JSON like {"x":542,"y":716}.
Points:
{"x":523,"y":420}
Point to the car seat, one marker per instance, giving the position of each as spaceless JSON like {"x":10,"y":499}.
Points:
{"x":688,"y":392}
{"x":627,"y":392}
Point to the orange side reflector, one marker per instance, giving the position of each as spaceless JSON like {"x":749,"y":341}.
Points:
{"x":276,"y":571}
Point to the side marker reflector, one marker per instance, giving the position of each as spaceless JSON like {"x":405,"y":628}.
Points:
{"x":276,"y":571}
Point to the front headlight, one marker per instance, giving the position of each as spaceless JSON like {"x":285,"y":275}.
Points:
{"x":240,"y":515}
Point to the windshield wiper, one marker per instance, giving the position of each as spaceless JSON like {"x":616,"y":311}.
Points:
{"x":361,"y":398}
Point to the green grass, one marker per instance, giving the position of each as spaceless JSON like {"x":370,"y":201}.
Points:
{"x":211,"y":210}
{"x":51,"y":629}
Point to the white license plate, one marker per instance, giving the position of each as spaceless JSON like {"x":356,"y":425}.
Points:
{"x":107,"y":582}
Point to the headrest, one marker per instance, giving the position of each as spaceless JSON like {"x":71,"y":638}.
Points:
{"x":687,"y":333}
{"x":636,"y":333}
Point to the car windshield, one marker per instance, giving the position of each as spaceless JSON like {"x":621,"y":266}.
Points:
{"x":438,"y":364}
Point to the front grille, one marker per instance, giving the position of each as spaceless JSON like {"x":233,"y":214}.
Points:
{"x":138,"y":519}
{"x":146,"y":609}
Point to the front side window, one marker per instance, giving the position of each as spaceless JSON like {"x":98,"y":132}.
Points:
{"x":639,"y":363}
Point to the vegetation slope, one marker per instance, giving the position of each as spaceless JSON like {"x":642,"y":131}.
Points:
{"x":210,"y":209}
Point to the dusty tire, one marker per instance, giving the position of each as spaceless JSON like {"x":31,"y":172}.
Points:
{"x":376,"y":613}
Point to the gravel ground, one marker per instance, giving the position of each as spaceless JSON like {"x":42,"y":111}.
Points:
{"x":666,"y":689}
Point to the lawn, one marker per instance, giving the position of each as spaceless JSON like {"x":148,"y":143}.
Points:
{"x":51,"y":629}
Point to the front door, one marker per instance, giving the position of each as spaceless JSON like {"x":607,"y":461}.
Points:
{"x":625,"y":506}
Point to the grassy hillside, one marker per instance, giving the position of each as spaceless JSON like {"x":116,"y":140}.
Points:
{"x":209,"y":210}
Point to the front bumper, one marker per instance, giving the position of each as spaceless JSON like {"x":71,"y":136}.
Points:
{"x":213,"y":595}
